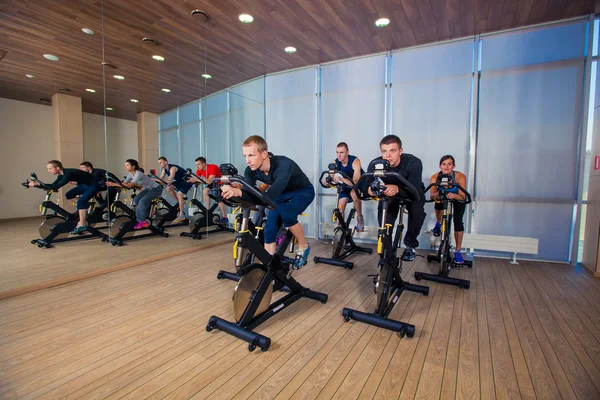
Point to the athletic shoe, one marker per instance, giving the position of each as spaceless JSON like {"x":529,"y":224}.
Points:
{"x":139,"y":225}
{"x":409,"y":254}
{"x":301,"y":257}
{"x":181,"y":218}
{"x":79,"y":230}
{"x":223,"y":221}
{"x":458,"y":259}
{"x":360,"y":224}
{"x":437,"y":229}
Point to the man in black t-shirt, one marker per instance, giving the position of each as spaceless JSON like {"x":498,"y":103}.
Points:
{"x":411,"y":168}
{"x":290,"y":189}
{"x":84,"y":180}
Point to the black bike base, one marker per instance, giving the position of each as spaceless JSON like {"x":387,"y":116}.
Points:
{"x":336,"y":263}
{"x":195,"y":236}
{"x":402,"y":328}
{"x":120,"y":238}
{"x":339,"y":262}
{"x":232,"y":276}
{"x":435,"y":258}
{"x":461,"y":283}
{"x":254,"y":339}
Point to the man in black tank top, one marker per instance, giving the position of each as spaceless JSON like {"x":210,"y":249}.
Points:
{"x":349,"y":165}
{"x":411,"y":168}
{"x":175,"y":178}
{"x":86,"y":188}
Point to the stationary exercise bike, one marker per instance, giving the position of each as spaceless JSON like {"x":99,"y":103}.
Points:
{"x":166,"y":212}
{"x":389,"y":285}
{"x":121,"y":227}
{"x":255,"y":226}
{"x":443,"y":256}
{"x":343,"y":243}
{"x":204,"y":221}
{"x":57,"y":226}
{"x":252,"y":296}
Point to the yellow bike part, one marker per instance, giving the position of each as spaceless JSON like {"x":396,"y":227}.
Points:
{"x":235,"y":247}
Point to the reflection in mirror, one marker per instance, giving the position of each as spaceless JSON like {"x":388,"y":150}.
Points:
{"x":53,"y":222}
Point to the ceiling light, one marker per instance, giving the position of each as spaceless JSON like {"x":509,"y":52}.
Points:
{"x":290,"y":49}
{"x":109,"y":108}
{"x":158,"y":58}
{"x":119,"y":77}
{"x":87,"y":31}
{"x":206,"y":76}
{"x":51,"y":57}
{"x":30,"y":76}
{"x":166,"y":90}
{"x":381,"y":22}
{"x":134,"y":101}
{"x":90,"y":90}
{"x":246,"y":18}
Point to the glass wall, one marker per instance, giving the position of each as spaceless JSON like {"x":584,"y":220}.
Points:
{"x":247,"y":116}
{"x":507,"y":136}
{"x":291,"y":120}
{"x":530,"y":108}
{"x":431,"y":107}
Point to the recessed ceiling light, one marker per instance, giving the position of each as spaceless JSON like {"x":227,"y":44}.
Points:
{"x":90,"y":90}
{"x":158,"y":58}
{"x":87,"y":31}
{"x":109,"y":108}
{"x":51,"y":57}
{"x":381,"y":22}
{"x":134,"y":101}
{"x":30,"y":76}
{"x":119,"y":77}
{"x":290,"y":49}
{"x":166,"y":90}
{"x":206,"y":76}
{"x":246,"y":18}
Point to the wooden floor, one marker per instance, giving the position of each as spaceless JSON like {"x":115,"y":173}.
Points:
{"x":25,"y":267}
{"x":522,"y":331}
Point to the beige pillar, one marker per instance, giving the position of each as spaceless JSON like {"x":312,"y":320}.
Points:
{"x":68,"y":136}
{"x":147,"y":132}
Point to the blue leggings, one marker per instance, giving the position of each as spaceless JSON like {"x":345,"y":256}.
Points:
{"x":85,"y":193}
{"x":289,"y":206}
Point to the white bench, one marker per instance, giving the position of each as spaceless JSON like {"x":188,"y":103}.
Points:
{"x":510,"y":244}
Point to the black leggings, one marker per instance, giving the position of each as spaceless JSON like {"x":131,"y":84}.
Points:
{"x":459,"y":212}
{"x":416,"y":217}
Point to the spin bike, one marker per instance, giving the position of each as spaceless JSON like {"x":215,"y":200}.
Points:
{"x":389,"y":285}
{"x":255,"y":227}
{"x":204,"y":221}
{"x":166,"y":212}
{"x":343,"y":242}
{"x":121,"y":227}
{"x":57,"y":226}
{"x":444,"y":253}
{"x":252,"y":296}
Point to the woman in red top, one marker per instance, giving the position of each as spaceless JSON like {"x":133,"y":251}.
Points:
{"x":209,"y":172}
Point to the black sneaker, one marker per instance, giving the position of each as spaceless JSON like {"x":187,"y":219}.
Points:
{"x":409,"y":254}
